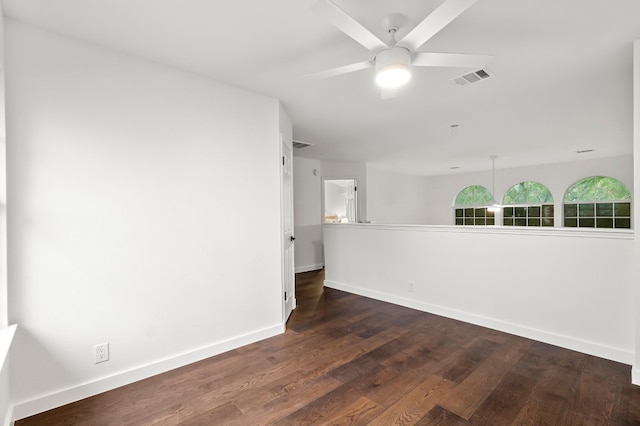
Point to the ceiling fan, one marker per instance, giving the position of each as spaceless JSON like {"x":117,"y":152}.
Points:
{"x":393,"y":61}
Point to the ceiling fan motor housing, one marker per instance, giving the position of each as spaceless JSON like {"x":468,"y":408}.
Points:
{"x":392,"y":66}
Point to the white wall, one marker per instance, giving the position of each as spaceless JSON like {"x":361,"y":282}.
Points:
{"x":350,"y":170}
{"x":396,"y":198}
{"x":442,"y":190}
{"x":6,"y":334}
{"x":566,"y":287}
{"x":144,"y":211}
{"x":307,"y":214}
{"x":3,"y":186}
{"x":308,"y":204}
{"x":636,"y":195}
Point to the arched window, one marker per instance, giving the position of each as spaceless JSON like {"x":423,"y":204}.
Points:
{"x":527,"y":204}
{"x":597,"y":202}
{"x":471,"y":206}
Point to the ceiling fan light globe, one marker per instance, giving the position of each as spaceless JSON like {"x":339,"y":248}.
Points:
{"x":394,"y":75}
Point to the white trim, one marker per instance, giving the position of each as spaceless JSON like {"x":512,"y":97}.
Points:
{"x":6,"y":410}
{"x":104,"y":384}
{"x":635,"y":375}
{"x":635,"y":372}
{"x":8,"y":420}
{"x":622,"y":234}
{"x":307,"y":268}
{"x":591,"y":348}
{"x":6,"y":337}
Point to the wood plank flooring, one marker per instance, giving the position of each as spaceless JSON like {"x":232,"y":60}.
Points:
{"x":346,"y":359}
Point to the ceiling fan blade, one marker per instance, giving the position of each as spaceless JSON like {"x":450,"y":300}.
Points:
{"x":345,"y":23}
{"x":437,"y":20}
{"x":345,"y":69}
{"x":388,"y":92}
{"x":429,"y":59}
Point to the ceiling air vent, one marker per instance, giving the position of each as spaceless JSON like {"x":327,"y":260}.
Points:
{"x":472,"y":77}
{"x":298,"y":144}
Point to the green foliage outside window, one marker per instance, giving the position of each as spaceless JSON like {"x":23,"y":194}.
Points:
{"x":597,"y":188}
{"x":527,"y":193}
{"x":474,"y":195}
{"x":597,"y":202}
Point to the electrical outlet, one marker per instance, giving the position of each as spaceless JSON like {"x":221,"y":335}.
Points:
{"x":411,"y":286}
{"x":101,"y":352}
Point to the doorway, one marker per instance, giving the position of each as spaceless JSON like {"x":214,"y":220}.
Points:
{"x":340,"y":200}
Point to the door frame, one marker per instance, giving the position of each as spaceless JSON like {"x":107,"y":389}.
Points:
{"x":287,"y":265}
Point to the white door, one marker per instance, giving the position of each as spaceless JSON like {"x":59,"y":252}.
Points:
{"x":288,"y":267}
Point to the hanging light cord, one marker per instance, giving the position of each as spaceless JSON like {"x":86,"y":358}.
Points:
{"x":493,"y":177}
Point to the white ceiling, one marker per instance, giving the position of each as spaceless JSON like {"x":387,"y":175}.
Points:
{"x":563,"y":73}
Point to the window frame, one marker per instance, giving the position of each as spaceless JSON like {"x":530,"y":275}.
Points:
{"x":513,"y":218}
{"x":592,"y":206}
{"x":481,"y":215}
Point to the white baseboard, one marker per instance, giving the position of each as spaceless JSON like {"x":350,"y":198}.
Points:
{"x":568,"y":342}
{"x":307,"y":268}
{"x":6,"y":338}
{"x":635,"y":375}
{"x":104,"y":384}
{"x":8,"y":415}
{"x":8,"y":420}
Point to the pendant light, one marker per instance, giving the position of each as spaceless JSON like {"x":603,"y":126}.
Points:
{"x":494,"y":206}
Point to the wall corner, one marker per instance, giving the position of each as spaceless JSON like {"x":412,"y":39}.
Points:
{"x":635,"y":273}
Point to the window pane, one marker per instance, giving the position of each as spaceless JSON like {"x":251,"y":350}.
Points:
{"x":480,"y":221}
{"x":623,"y":223}
{"x":570,"y":210}
{"x":586,"y":210}
{"x":508,"y":212}
{"x":520,"y":222}
{"x":481,"y":212}
{"x":547,"y":221}
{"x":587,"y":223}
{"x":571,"y":223}
{"x":468,"y":212}
{"x":604,"y":222}
{"x":473,"y":195}
{"x":459,"y":221}
{"x":491,"y":220}
{"x":527,"y":193}
{"x":597,"y":188}
{"x":547,"y":210}
{"x":490,"y":214}
{"x":623,"y":209}
{"x":508,"y":221}
{"x":521,"y":211}
{"x":534,"y":221}
{"x":534,"y":211}
{"x":604,"y":209}
{"x":459,"y":213}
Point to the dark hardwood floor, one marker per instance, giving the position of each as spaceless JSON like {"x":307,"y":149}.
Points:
{"x":346,"y":359}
